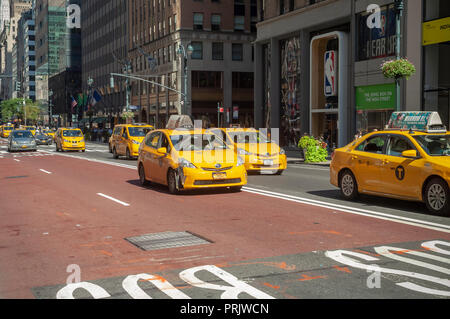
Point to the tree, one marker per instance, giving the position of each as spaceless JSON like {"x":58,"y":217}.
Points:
{"x":14,"y":109}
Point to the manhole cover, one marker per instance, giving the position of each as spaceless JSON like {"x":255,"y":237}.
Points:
{"x":167,"y":240}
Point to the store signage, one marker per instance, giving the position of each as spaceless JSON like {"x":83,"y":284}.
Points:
{"x":376,"y":97}
{"x":330,"y":71}
{"x":376,"y":33}
{"x":436,"y":31}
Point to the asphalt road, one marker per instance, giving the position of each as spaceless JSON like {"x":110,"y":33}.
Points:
{"x":67,"y":222}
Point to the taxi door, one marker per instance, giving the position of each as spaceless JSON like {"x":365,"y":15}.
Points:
{"x":149,"y":155}
{"x":122,"y":142}
{"x":366,"y":162}
{"x":402,"y":176}
{"x":162,"y":161}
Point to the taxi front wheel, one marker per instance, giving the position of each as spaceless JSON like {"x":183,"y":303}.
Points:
{"x":437,"y":197}
{"x":172,"y":182}
{"x":348,"y":185}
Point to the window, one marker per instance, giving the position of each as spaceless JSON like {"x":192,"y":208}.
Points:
{"x":215,"y":22}
{"x":237,"y":52}
{"x":374,"y":144}
{"x":153,"y":140}
{"x":206,"y":79}
{"x":198,"y":21}
{"x":197,"y":53}
{"x":239,"y":23}
{"x":397,"y":145}
{"x":217,"y":51}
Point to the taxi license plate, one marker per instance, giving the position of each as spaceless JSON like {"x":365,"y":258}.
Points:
{"x":24,"y":146}
{"x":219,"y":175}
{"x":268,"y":163}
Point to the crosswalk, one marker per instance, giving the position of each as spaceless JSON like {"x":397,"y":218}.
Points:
{"x":46,"y":150}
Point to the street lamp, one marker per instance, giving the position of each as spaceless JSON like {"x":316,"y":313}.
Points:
{"x":399,"y":6}
{"x":50,"y":115}
{"x":185,"y":53}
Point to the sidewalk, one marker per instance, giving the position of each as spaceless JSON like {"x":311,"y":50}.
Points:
{"x":296,"y":157}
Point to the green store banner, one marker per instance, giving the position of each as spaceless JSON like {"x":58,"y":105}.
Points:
{"x":376,"y":97}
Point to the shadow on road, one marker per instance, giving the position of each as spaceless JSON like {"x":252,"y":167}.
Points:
{"x":370,"y":202}
{"x":164,"y":190}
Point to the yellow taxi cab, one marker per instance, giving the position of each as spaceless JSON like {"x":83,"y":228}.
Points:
{"x":186,"y":158}
{"x":31,"y":129}
{"x":69,"y":139}
{"x":126,"y":138}
{"x":6,"y":130}
{"x":49,"y":132}
{"x":260,"y":153}
{"x":409,"y":160}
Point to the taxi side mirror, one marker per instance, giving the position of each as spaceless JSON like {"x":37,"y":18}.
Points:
{"x":162,"y":150}
{"x":411,"y":154}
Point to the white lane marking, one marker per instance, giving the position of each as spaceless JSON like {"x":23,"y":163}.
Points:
{"x":352,"y":210}
{"x":17,"y":160}
{"x":328,"y":205}
{"x":113,"y":199}
{"x":46,"y":172}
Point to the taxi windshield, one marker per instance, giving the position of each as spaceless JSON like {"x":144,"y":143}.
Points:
{"x":72,"y":133}
{"x":197,"y":142}
{"x":435,"y":145}
{"x":22,"y":134}
{"x":138,"y":131}
{"x":30,"y":128}
{"x":8,"y":128}
{"x":249,"y":137}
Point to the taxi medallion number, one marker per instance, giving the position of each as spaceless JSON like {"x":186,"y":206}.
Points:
{"x":219,"y":175}
{"x":268,"y":163}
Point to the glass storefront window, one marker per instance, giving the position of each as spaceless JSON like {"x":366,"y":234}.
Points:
{"x":290,"y":92}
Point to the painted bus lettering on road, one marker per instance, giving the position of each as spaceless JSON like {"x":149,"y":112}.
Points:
{"x":234,"y":288}
{"x":348,"y":258}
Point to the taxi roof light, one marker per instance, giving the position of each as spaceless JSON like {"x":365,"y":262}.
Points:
{"x":429,"y":122}
{"x":179,"y":121}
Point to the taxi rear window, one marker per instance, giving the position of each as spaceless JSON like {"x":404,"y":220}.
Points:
{"x":72,"y":133}
{"x":374,"y":144}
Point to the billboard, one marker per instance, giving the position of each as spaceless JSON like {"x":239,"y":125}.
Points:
{"x":330,"y":73}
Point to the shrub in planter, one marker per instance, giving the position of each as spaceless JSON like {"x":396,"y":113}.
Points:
{"x":315,"y":151}
{"x":396,"y":69}
{"x":127,"y":115}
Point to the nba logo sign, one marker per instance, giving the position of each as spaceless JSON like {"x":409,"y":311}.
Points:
{"x":330,"y":73}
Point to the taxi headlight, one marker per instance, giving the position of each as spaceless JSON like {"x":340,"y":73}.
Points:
{"x":15,"y":143}
{"x":66,"y":141}
{"x":282,"y":151}
{"x":240,"y":161}
{"x":136,"y":142}
{"x":185,"y":163}
{"x":243,"y":152}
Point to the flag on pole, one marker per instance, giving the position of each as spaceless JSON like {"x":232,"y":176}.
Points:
{"x":96,"y":97}
{"x":74,"y":103}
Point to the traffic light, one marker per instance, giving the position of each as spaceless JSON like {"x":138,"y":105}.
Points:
{"x":17,"y":86}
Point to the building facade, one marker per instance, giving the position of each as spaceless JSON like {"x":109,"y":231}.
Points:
{"x":218,"y":88}
{"x":58,"y":58}
{"x":26,"y":55}
{"x":105,"y":47}
{"x":8,"y":37}
{"x":318,"y":66}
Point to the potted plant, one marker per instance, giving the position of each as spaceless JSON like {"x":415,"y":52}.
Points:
{"x":397,"y":69}
{"x":315,"y":151}
{"x":127,"y":116}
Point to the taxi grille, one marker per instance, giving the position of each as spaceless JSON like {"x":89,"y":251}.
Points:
{"x":218,"y":182}
{"x":211,"y":169}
